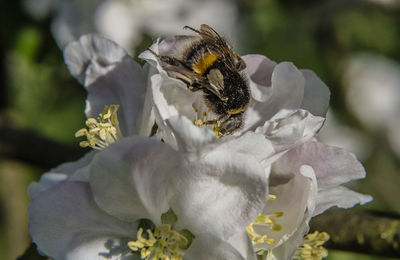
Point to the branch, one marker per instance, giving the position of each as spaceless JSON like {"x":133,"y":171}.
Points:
{"x":31,"y":147}
{"x":31,"y":253}
{"x":367,"y":232}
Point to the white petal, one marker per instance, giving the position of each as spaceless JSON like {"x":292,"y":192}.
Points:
{"x":293,"y":129}
{"x":208,"y":247}
{"x":341,"y":197}
{"x":316,"y":94}
{"x":287,"y":93}
{"x":91,"y":50}
{"x":77,"y":170}
{"x":100,"y":247}
{"x":65,"y":218}
{"x":222,"y":193}
{"x":242,"y":243}
{"x":332,"y":165}
{"x":296,"y":193}
{"x":110,"y":77}
{"x":189,"y":137}
{"x":288,"y":249}
{"x":249,"y":143}
{"x":130,"y":179}
{"x":259,"y":69}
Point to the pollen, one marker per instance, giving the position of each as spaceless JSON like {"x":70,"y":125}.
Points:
{"x":265,"y":224}
{"x":312,"y":248}
{"x":103,"y":131}
{"x":162,"y":244}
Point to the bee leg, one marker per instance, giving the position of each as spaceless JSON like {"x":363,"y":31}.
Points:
{"x":192,"y":86}
{"x":218,"y":120}
{"x":167,"y":59}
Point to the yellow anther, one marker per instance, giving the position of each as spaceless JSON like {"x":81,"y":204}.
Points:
{"x":164,"y":243}
{"x":265,"y":224}
{"x":271,"y":197}
{"x":312,"y":248}
{"x":204,"y":114}
{"x":198,"y":122}
{"x":102,"y":131}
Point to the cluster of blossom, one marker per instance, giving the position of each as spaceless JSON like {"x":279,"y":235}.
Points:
{"x":184,"y":193}
{"x":124,"y":21}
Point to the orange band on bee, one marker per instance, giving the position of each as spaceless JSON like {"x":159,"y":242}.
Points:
{"x":238,"y":110}
{"x":207,"y":60}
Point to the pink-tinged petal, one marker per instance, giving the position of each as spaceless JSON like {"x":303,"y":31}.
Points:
{"x":228,"y":188}
{"x":341,"y":197}
{"x":110,"y":76}
{"x":259,"y":70}
{"x":292,"y":129}
{"x":208,"y":247}
{"x":131,"y":179}
{"x":65,"y":218}
{"x":77,"y":171}
{"x":332,"y":165}
{"x":287,"y":93}
{"x":316,"y":94}
{"x":295,"y":197}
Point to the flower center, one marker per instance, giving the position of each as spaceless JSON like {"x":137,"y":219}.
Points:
{"x":162,"y":244}
{"x":264,"y":224}
{"x":204,"y":119}
{"x":103,"y":131}
{"x":312,"y":248}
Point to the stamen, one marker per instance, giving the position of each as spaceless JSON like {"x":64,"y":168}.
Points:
{"x":162,"y":244}
{"x":102,"y":132}
{"x":204,"y":121}
{"x":312,"y":248}
{"x":265,"y":223}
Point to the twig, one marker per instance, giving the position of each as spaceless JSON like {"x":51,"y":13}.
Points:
{"x":33,"y":148}
{"x":368,"y":232}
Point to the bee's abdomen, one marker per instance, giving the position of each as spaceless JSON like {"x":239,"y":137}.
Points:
{"x":238,"y":94}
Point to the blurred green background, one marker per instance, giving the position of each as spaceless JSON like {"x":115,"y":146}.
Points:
{"x":37,"y":91}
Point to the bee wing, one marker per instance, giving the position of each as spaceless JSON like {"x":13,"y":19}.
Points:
{"x":216,"y":86}
{"x":210,"y":32}
{"x":224,"y":49}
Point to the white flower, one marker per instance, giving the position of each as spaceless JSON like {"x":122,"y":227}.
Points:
{"x":124,"y":21}
{"x":306,"y":181}
{"x":110,"y":77}
{"x":373,"y":89}
{"x":287,"y":108}
{"x":212,"y":177}
{"x":287,"y":105}
{"x":373,"y":94}
{"x":140,"y":178}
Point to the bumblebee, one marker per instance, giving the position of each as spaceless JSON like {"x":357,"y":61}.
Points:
{"x":209,"y":64}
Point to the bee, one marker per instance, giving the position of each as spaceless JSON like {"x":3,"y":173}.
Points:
{"x":209,"y":64}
